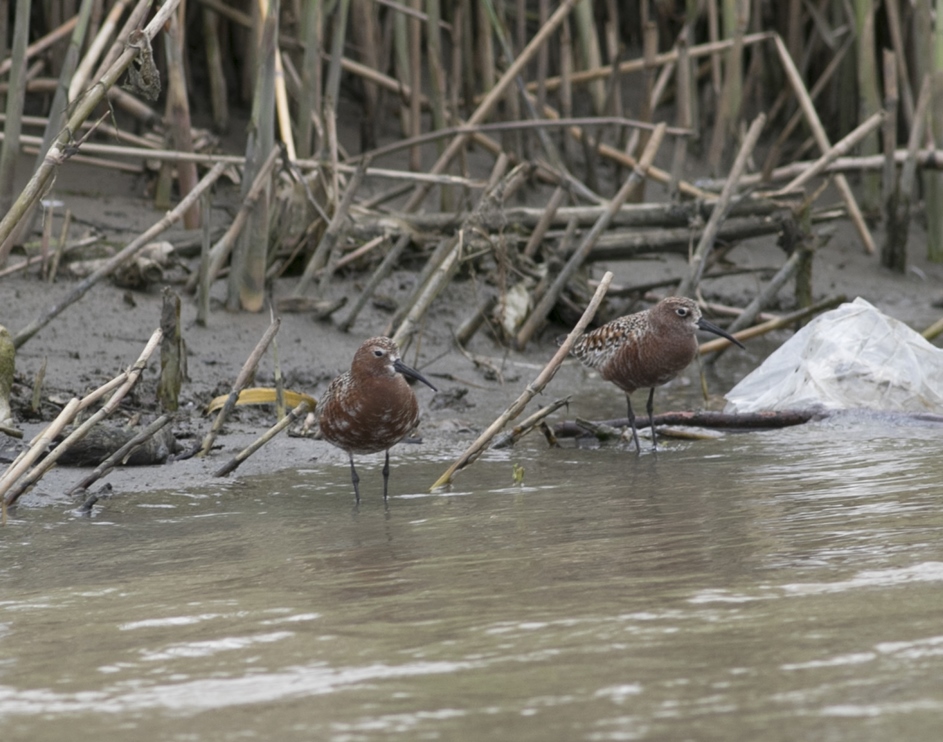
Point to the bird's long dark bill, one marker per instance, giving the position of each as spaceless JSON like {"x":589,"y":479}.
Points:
{"x":412,"y":373}
{"x":703,"y":324}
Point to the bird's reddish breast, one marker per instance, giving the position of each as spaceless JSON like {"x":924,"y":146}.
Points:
{"x":649,"y":361}
{"x":368,"y":416}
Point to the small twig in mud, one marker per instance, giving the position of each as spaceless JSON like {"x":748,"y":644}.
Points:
{"x":122,"y":454}
{"x":245,"y":376}
{"x":519,"y":431}
{"x":240,"y":457}
{"x":544,"y":378}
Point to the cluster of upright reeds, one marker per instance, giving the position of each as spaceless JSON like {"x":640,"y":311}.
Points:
{"x":597,"y":100}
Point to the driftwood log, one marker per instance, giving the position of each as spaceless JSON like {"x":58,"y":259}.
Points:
{"x":742,"y":421}
{"x":104,"y":440}
{"x":704,"y":419}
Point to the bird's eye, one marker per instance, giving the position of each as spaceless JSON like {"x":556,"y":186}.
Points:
{"x":682,"y":311}
{"x":378,"y":353}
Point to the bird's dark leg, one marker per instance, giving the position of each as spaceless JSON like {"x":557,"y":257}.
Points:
{"x":386,"y":473}
{"x":628,"y":400}
{"x":651,"y":417}
{"x":355,"y":478}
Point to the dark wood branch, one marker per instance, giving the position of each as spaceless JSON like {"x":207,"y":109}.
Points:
{"x":704,"y":419}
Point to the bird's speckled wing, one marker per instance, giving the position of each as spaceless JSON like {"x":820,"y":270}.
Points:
{"x":597,"y":348}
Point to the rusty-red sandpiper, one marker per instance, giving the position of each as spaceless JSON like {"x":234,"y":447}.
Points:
{"x":646,"y":349}
{"x":370,"y":408}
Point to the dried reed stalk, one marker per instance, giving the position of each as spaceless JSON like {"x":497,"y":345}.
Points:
{"x":512,"y":436}
{"x":382,"y":271}
{"x":203,"y":273}
{"x":532,"y":389}
{"x":710,"y":49}
{"x":547,"y":215}
{"x":735,"y":19}
{"x":889,"y":194}
{"x":553,"y":156}
{"x":220,"y":251}
{"x":281,"y":109}
{"x":626,"y":160}
{"x":786,"y":132}
{"x":82,"y":73}
{"x":320,"y":258}
{"x":38,"y":445}
{"x":892,"y":10}
{"x":12,"y":485}
{"x":452,"y":251}
{"x":869,"y":100}
{"x":686,"y":94}
{"x":178,"y":115}
{"x":219,"y":101}
{"x":338,"y":33}
{"x":284,"y":422}
{"x":59,"y":152}
{"x":241,"y":382}
{"x":588,"y":39}
{"x":414,"y":40}
{"x":119,"y":259}
{"x":309,"y":102}
{"x":132,"y":23}
{"x":539,"y":314}
{"x":779,"y":323}
{"x":933,"y":182}
{"x":894,"y":254}
{"x":172,"y":353}
{"x":934,"y":330}
{"x":699,"y":260}
{"x":839,"y":149}
{"x":14,"y":110}
{"x":493,"y":97}
{"x":56,"y":112}
{"x":821,"y":138}
{"x":759,"y":302}
{"x":43,"y":43}
{"x":246,"y":287}
{"x":26,"y":263}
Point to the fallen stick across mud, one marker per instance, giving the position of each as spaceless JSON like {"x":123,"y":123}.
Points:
{"x":703,"y":418}
{"x":478,"y":447}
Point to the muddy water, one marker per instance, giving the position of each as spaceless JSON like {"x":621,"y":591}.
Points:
{"x":778,"y":586}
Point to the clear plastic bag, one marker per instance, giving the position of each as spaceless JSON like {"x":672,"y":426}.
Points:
{"x":853,"y":357}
